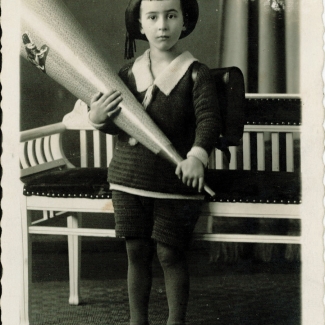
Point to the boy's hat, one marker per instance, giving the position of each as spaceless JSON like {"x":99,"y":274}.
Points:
{"x":190,"y":12}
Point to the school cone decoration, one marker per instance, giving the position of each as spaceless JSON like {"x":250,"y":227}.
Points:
{"x":55,"y":42}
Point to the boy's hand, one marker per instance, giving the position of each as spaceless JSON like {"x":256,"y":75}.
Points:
{"x":191,"y":171}
{"x":103,"y":106}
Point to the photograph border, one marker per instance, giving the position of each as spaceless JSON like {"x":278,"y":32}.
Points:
{"x":312,"y":151}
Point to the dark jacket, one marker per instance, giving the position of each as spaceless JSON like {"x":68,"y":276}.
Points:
{"x":189,"y":117}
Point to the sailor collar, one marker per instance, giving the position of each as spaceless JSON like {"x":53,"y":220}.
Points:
{"x":168,"y":79}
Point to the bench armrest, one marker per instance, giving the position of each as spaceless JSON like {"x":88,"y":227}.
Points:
{"x":42,"y":132}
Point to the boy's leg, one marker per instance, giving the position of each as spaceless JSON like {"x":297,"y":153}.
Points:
{"x":134,"y":221}
{"x":140,"y":254}
{"x":174,"y":264}
{"x":173,"y":227}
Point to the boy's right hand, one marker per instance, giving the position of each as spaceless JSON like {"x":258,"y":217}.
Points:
{"x":103,"y":106}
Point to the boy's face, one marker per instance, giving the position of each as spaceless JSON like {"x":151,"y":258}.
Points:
{"x":162,"y":22}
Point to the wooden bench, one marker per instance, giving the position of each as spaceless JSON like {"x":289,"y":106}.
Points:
{"x":261,"y":181}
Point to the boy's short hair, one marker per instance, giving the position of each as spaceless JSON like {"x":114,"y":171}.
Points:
{"x":190,"y":10}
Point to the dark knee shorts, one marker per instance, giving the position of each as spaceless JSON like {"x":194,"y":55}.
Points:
{"x":169,"y":221}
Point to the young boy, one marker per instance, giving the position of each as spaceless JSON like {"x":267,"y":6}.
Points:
{"x":154,"y":208}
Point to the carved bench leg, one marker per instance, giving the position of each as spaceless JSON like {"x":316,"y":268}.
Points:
{"x":292,"y":252}
{"x":74,"y":251}
{"x":228,"y":252}
{"x":27,"y":264}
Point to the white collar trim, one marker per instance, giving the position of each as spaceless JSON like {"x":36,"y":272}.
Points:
{"x":168,"y":79}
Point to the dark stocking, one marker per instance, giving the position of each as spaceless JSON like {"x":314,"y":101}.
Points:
{"x":140,"y":255}
{"x":174,"y":264}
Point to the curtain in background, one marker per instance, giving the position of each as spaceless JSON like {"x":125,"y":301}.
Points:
{"x":261,"y":37}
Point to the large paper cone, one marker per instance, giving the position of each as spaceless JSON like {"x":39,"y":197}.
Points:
{"x":55,"y":42}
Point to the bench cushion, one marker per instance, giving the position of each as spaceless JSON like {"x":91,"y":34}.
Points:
{"x":255,"y":186}
{"x":74,"y":182}
{"x":229,"y":185}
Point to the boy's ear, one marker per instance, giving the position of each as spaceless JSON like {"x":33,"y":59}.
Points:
{"x":185,"y":21}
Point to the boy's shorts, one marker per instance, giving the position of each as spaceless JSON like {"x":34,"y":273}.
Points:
{"x":169,"y":221}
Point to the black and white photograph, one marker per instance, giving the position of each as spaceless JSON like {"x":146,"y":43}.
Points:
{"x":203,"y":117}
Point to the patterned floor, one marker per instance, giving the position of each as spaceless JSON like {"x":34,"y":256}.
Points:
{"x":244,"y":294}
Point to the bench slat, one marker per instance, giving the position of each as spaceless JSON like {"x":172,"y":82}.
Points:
{"x":275,"y":152}
{"x":31,"y":153}
{"x":233,"y":238}
{"x":272,"y":128}
{"x":47,"y":149}
{"x":56,"y":147}
{"x":219,"y":159}
{"x":233,"y":160}
{"x":208,"y":237}
{"x":289,"y":152}
{"x":43,"y":167}
{"x":109,"y":148}
{"x":260,"y":151}
{"x":22,"y":156}
{"x":38,"y":150}
{"x":97,"y":146}
{"x":72,"y":231}
{"x":83,"y":149}
{"x":246,"y":151}
{"x":251,"y":210}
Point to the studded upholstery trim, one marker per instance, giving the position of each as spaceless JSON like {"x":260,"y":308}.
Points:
{"x":65,"y":195}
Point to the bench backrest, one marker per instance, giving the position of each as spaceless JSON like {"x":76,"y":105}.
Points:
{"x":271,"y":144}
{"x":270,"y":141}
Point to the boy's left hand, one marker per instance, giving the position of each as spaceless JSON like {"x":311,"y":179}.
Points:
{"x":191,"y":171}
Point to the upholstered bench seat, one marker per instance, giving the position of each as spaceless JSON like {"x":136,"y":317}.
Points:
{"x":74,"y":182}
{"x":250,"y":186}
{"x":229,"y":185}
